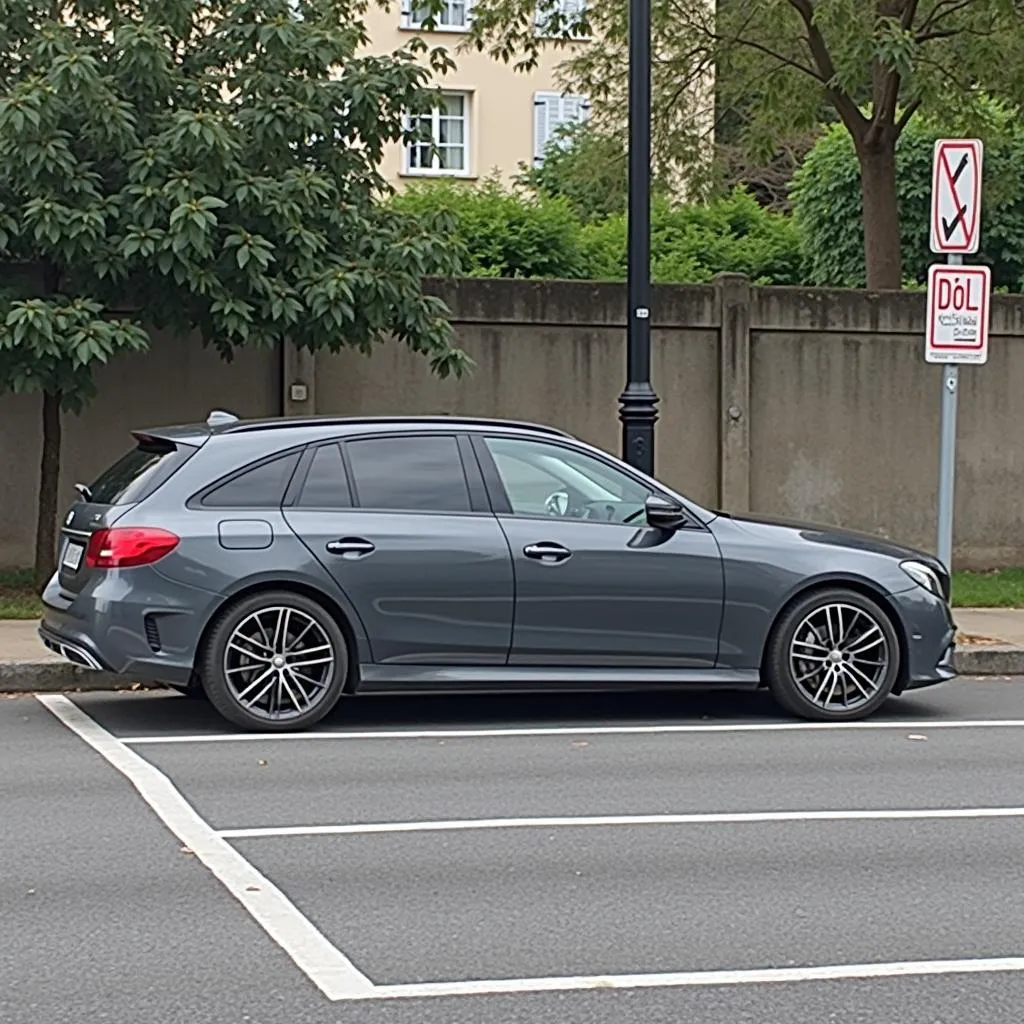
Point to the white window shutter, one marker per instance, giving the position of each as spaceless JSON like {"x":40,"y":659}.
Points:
{"x":551,"y":110}
{"x":545,"y":111}
{"x":574,"y":109}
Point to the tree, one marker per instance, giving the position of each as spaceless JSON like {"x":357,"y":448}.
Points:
{"x":205,"y":166}
{"x":827,"y":204}
{"x":875,"y":62}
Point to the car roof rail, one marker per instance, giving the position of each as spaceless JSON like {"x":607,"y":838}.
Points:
{"x":284,"y":422}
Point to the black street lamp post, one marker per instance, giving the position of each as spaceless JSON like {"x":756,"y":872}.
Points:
{"x":638,"y":404}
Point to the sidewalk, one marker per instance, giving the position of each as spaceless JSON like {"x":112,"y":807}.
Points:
{"x":991,"y":643}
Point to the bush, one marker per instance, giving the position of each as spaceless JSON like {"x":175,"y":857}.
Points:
{"x":827,"y":205}
{"x":692,"y":243}
{"x":501,"y":233}
{"x":586,"y":168}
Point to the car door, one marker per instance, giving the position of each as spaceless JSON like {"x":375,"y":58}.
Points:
{"x":410,"y":539}
{"x":595,"y":586}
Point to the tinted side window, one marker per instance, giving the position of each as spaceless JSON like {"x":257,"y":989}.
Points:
{"x":326,"y":484}
{"x":262,"y":486}
{"x":409,"y":474}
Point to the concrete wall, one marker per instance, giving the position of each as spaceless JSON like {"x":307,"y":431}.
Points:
{"x":176,"y":381}
{"x":799,"y":403}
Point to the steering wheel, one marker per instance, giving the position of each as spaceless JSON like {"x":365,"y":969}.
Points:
{"x":566,"y":505}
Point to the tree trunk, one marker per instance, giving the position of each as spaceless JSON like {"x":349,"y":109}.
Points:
{"x":49,"y":483}
{"x":882,"y":257}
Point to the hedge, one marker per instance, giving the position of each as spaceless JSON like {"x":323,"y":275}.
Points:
{"x":510,"y":233}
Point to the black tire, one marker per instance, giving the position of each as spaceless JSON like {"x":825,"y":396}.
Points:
{"x":215,"y":680}
{"x":786,"y":686}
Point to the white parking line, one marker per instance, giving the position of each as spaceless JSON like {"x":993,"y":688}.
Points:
{"x":573,"y":730}
{"x":701,"y":979}
{"x":322,"y":963}
{"x":599,"y":821}
{"x":340,"y":981}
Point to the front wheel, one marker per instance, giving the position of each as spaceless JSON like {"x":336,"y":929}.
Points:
{"x":834,"y":656}
{"x":275,"y":662}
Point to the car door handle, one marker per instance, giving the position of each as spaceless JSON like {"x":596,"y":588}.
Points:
{"x":351,"y":546}
{"x":547,"y":551}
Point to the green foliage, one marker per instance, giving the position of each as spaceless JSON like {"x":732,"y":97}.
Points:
{"x":586,"y":167}
{"x":207,"y":166}
{"x":502,"y":233}
{"x":772,"y":65}
{"x":827,"y":204}
{"x":499,"y":233}
{"x":693,"y":243}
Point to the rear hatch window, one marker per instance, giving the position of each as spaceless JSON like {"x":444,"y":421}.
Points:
{"x":138,"y":473}
{"x":133,"y":478}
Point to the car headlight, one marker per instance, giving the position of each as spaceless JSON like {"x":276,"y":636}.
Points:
{"x":923,"y":576}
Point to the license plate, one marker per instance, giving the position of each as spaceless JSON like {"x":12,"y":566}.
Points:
{"x":72,"y":557}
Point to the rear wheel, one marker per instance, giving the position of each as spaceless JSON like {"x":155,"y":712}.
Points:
{"x":275,"y":662}
{"x":833,"y":656}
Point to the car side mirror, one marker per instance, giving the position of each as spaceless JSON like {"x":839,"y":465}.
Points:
{"x":663,"y":514}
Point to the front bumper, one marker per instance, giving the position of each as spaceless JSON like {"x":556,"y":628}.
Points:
{"x":930,"y":639}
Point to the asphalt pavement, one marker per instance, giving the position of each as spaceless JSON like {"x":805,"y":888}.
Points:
{"x":608,"y":860}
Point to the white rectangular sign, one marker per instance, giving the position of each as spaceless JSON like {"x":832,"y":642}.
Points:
{"x":958,"y":314}
{"x":956,"y":196}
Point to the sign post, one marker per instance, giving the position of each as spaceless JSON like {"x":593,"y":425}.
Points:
{"x":958,"y":301}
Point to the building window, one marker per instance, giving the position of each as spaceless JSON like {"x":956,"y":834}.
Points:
{"x":443,"y":144}
{"x":552,"y":17}
{"x":453,"y":16}
{"x":551,"y":111}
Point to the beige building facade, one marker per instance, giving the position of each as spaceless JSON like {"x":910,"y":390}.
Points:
{"x":492,"y":118}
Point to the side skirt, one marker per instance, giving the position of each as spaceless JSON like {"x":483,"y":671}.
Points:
{"x":534,"y":679}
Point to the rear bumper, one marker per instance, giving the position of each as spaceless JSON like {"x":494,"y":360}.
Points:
{"x":78,"y":652}
{"x":105,"y":629}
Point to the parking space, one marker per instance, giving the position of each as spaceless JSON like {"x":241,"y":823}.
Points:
{"x":553,"y":848}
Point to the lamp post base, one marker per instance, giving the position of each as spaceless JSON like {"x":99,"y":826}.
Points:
{"x":638,"y":411}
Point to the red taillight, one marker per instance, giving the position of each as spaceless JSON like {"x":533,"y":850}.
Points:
{"x":127,"y":546}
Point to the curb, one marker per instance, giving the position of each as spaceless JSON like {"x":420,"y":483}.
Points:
{"x":997,"y":660}
{"x":55,"y":676}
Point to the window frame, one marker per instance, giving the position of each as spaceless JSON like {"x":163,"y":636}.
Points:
{"x":502,"y":505}
{"x":479,"y":502}
{"x":407,"y":18}
{"x":435,"y":171}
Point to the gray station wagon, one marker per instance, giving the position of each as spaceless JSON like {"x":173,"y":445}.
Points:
{"x":280,"y":565}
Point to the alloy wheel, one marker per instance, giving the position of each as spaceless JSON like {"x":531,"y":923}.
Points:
{"x":278,"y":663}
{"x":839,"y":657}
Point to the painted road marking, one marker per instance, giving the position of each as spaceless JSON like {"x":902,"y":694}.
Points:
{"x":701,"y":979}
{"x":574,"y":730}
{"x":326,"y":966}
{"x":340,"y":981}
{"x":601,"y":821}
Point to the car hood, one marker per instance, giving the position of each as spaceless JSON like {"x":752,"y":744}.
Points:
{"x":815,"y":533}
